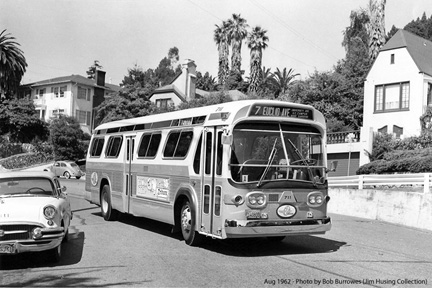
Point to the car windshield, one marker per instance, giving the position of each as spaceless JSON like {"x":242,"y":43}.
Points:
{"x":265,"y":152}
{"x":73,"y":165}
{"x":26,"y":186}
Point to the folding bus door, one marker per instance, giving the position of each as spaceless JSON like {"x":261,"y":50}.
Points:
{"x":128,"y":175}
{"x":211,"y":221}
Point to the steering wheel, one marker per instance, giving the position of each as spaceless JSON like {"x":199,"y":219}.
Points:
{"x":35,"y":188}
{"x":309,"y":161}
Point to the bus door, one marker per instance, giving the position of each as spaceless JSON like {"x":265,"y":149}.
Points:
{"x":211,"y":222}
{"x":128,"y":177}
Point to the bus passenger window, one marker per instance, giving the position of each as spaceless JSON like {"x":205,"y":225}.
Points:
{"x":183,"y":144}
{"x":142,"y":149}
{"x":114,"y":145}
{"x":96,"y":148}
{"x":171,"y":144}
{"x":219,"y":154}
{"x":149,"y":145}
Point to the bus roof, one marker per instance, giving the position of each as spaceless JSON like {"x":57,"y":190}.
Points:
{"x":225,"y":112}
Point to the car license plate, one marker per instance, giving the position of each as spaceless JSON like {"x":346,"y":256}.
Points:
{"x":7,"y":248}
{"x":253,"y":214}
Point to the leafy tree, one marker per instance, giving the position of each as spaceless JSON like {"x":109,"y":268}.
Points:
{"x":222,"y":41}
{"x":392,"y":31}
{"x":173,"y":56}
{"x":421,"y":27}
{"x":12,"y":65}
{"x":19,"y":120}
{"x":206,"y":82}
{"x":131,"y":101}
{"x":164,"y":73}
{"x":212,"y":99}
{"x":66,"y":138}
{"x":256,"y":41}
{"x":237,"y":33}
{"x":91,"y":72}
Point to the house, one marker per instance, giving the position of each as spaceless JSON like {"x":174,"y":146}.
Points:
{"x":183,"y":88}
{"x":73,"y":95}
{"x":398,"y":87}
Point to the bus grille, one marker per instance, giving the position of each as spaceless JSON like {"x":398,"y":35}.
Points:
{"x":273,"y":197}
{"x":16,"y":232}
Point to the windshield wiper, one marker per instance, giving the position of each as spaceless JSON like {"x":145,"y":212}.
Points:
{"x":305,"y":162}
{"x":270,"y":160}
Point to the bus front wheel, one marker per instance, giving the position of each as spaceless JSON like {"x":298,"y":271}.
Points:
{"x":108,"y":213}
{"x":188,"y":225}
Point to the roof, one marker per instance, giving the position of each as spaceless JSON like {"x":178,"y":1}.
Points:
{"x":73,"y":78}
{"x":171,"y":88}
{"x":419,"y":48}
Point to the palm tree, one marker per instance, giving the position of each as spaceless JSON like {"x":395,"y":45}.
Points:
{"x":12,"y":64}
{"x":236,"y":34}
{"x":222,"y":41}
{"x":283,"y":79}
{"x":376,"y":27}
{"x":256,"y":42}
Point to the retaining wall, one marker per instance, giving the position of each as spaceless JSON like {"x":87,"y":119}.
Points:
{"x":412,"y":209}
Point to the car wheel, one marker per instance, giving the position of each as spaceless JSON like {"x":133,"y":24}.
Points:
{"x":66,"y":236}
{"x":55,"y":253}
{"x":187,"y":224}
{"x":78,"y":177}
{"x":67,"y":175}
{"x":108,"y":212}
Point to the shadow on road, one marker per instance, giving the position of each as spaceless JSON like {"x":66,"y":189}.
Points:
{"x":71,"y":254}
{"x":247,"y":247}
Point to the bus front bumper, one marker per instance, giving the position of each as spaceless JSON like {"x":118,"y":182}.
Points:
{"x":233,"y":229}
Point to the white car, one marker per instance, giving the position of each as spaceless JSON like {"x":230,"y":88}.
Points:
{"x":35,"y":213}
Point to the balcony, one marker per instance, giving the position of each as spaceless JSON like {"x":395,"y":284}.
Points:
{"x":343,"y":137}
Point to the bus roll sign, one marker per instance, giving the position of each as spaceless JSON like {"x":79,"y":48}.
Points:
{"x":281,"y":111}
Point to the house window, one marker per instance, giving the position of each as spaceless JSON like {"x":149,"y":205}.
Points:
{"x":55,"y":91}
{"x":163,"y":103}
{"x":429,"y":94}
{"x":392,"y":97}
{"x":398,"y":131}
{"x":392,"y":59}
{"x":40,"y":92}
{"x":82,"y":93}
{"x":83,"y":117}
{"x":57,"y":112}
{"x":88,"y":94}
{"x":383,"y":129}
{"x":62,"y":90}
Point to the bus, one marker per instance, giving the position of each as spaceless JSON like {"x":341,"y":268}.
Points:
{"x":248,"y":168}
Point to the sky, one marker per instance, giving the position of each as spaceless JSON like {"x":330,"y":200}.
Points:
{"x":64,"y":37}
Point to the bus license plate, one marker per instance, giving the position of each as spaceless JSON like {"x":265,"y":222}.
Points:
{"x":253,"y":214}
{"x":7,"y":248}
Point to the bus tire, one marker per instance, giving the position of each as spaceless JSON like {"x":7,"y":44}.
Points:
{"x":188,"y":225}
{"x":108,"y":213}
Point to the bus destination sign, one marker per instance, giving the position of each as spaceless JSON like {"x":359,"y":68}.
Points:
{"x":281,"y":111}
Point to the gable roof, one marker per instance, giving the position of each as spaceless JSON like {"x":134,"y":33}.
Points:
{"x":73,"y":78}
{"x":419,"y":48}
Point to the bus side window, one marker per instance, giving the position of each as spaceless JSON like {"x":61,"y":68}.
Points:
{"x":197,"y":158}
{"x":114,"y":145}
{"x":219,"y":154}
{"x":96,"y":148}
{"x":171,"y":143}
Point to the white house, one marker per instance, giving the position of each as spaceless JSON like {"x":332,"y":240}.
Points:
{"x":398,"y":86}
{"x":73,"y":95}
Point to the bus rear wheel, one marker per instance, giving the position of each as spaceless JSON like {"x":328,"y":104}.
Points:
{"x":188,"y":225}
{"x":108,"y":213}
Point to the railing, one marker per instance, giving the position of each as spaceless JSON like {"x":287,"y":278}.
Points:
{"x":392,"y":180}
{"x":343,"y":137}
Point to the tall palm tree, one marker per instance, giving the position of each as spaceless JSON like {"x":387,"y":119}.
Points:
{"x":284,"y":79}
{"x":256,"y":41}
{"x":237,"y":33}
{"x":376,"y":27}
{"x":222,"y":41}
{"x":12,"y":64}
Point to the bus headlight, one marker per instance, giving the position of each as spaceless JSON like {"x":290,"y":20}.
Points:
{"x":315,"y":199}
{"x":256,"y":199}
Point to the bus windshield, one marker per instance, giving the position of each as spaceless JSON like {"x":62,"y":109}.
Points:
{"x":268,"y":151}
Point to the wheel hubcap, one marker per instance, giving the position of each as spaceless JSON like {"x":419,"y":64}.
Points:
{"x":186,"y":220}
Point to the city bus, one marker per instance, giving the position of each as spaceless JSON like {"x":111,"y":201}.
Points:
{"x":249,"y":168}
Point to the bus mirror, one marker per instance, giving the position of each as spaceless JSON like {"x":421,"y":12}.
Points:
{"x":333,"y":166}
{"x":227,"y":139}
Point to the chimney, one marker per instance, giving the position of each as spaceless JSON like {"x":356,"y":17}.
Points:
{"x":189,"y":68}
{"x":100,"y":77}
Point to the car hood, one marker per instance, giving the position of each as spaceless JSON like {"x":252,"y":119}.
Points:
{"x":28,"y":209}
